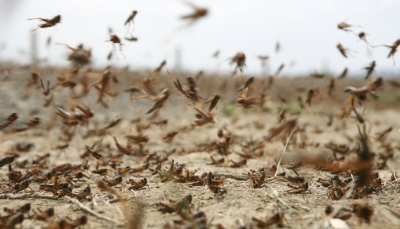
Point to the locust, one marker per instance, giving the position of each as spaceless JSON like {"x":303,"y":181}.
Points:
{"x":131,"y":17}
{"x":46,"y":90}
{"x":159,"y":101}
{"x":23,"y":209}
{"x":263,"y":59}
{"x":33,"y":122}
{"x":68,"y":223}
{"x":198,"y":13}
{"x":7,"y":160}
{"x":203,"y":118}
{"x":344,"y":51}
{"x":141,"y":168}
{"x":48,"y":22}
{"x":79,"y":55}
{"x":302,"y":188}
{"x":309,"y":96}
{"x":79,"y":115}
{"x":278,"y":47}
{"x":43,"y":215}
{"x":192,"y":89}
{"x":344,"y":26}
{"x":343,"y":74}
{"x":114,"y":39}
{"x":160,"y":67}
{"x":362,"y":92}
{"x":331,"y":87}
{"x":393,"y":49}
{"x":132,"y":90}
{"x":370,"y":68}
{"x":240,"y":60}
{"x":335,"y":192}
{"x":382,"y":135}
{"x":131,"y":38}
{"x":10,"y":221}
{"x":190,"y":93}
{"x":282,"y":129}
{"x":17,"y":177}
{"x":277,"y":218}
{"x":176,"y":206}
{"x":57,"y":188}
{"x":246,"y":84}
{"x":93,"y":153}
{"x":83,"y":194}
{"x":137,"y":139}
{"x":257,"y":180}
{"x":362,"y":35}
{"x":216,"y":54}
{"x":394,"y":83}
{"x":317,"y":75}
{"x":216,"y":186}
{"x":103,"y":85}
{"x":113,"y":182}
{"x":214,"y":102}
{"x":248,"y":101}
{"x":169,"y":136}
{"x":127,"y":151}
{"x":101,"y":172}
{"x":339,"y":214}
{"x":114,"y":162}
{"x":279,"y":70}
{"x":110,"y":125}
{"x":19,"y":186}
{"x":363,"y":211}
{"x":223,"y":144}
{"x":161,"y":123}
{"x":137,"y":185}
{"x":216,"y":162}
{"x":271,"y":78}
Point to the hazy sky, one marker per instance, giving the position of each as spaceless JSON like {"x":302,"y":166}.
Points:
{"x":306,"y":29}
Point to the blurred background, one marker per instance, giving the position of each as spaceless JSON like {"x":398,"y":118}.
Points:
{"x":306,"y":32}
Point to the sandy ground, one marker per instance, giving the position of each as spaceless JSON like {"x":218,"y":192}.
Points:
{"x":241,"y":203}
